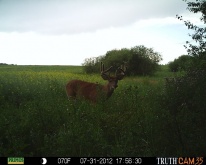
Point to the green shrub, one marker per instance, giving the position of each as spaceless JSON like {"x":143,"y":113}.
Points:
{"x":182,"y":63}
{"x":185,"y":99}
{"x":139,"y":60}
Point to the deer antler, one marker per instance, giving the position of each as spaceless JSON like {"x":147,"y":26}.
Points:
{"x":103,"y":72}
{"x":122,"y":70}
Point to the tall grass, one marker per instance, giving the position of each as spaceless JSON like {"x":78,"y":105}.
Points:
{"x":38,"y":120}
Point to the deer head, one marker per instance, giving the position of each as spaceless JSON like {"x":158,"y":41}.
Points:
{"x":112,"y":80}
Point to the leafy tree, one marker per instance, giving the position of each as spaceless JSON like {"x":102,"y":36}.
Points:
{"x":117,"y":57}
{"x":91,"y":64}
{"x":182,"y":63}
{"x":197,"y":50}
{"x":186,"y":95}
{"x":194,"y":80}
{"x":139,"y":60}
{"x":143,"y":61}
{"x":195,"y":76}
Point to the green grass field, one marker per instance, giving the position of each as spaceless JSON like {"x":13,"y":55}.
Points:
{"x":37,"y":119}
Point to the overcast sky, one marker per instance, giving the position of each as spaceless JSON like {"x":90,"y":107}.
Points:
{"x":65,"y":32}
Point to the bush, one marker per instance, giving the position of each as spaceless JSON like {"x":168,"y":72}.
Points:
{"x":91,"y":64}
{"x":199,"y":62}
{"x":188,"y":91}
{"x":143,"y":61}
{"x":185,"y":99}
{"x":182,"y":63}
{"x":139,"y":60}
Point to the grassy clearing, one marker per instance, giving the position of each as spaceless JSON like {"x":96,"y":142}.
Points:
{"x":37,"y":119}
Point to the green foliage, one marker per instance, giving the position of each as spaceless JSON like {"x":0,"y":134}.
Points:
{"x":117,"y":57}
{"x":139,"y":60}
{"x":182,"y":63}
{"x":143,"y":61}
{"x":185,"y":97}
{"x":187,"y":92}
{"x":199,"y":35}
{"x":199,"y":62}
{"x":198,"y":49}
{"x":37,"y":119}
{"x":91,"y":65}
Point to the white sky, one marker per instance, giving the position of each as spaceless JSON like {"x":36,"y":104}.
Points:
{"x":65,"y":32}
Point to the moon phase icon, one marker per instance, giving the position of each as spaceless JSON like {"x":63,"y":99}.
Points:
{"x":43,"y":161}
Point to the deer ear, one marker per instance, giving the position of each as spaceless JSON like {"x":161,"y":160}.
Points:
{"x":105,"y":77}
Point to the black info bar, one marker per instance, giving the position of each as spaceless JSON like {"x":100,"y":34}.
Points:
{"x":103,"y":160}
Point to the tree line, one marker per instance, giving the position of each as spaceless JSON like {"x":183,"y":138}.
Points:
{"x":139,"y":60}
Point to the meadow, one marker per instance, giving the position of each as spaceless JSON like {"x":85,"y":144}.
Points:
{"x":38,"y":120}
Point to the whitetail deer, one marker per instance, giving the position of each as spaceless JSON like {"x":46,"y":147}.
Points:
{"x":93,"y":91}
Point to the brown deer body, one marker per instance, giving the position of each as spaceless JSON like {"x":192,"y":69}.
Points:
{"x":93,"y":91}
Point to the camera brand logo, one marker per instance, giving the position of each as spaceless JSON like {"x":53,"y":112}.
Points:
{"x":15,"y":160}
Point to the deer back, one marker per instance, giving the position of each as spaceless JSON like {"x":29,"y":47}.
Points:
{"x":85,"y":90}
